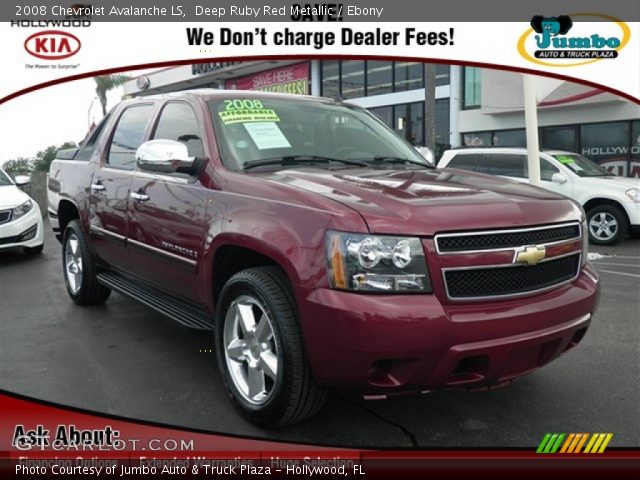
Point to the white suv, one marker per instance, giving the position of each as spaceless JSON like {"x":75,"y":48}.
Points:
{"x":612,"y":203}
{"x":20,"y":218}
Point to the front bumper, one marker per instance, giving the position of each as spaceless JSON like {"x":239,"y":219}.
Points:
{"x":379,"y":344}
{"x":19,"y":233}
{"x":633,"y":212}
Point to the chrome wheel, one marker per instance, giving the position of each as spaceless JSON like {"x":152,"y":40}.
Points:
{"x":251,"y":350}
{"x":603,"y":226}
{"x":73,"y":263}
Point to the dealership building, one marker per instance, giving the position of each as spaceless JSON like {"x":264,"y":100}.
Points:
{"x":473,"y":106}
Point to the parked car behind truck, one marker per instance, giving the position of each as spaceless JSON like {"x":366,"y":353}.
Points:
{"x":320,"y":247}
{"x":612,"y":203}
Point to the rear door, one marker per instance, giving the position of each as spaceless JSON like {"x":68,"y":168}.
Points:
{"x":110,"y":185}
{"x":167,"y":212}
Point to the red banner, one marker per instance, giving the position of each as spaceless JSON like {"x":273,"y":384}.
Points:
{"x":290,"y":79}
{"x":55,"y":442}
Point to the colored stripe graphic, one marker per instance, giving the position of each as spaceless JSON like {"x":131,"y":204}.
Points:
{"x":550,"y":443}
{"x":573,"y":443}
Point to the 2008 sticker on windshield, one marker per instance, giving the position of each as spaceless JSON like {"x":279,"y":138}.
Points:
{"x":245,"y":111}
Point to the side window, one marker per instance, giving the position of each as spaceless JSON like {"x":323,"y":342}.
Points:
{"x":508,"y":165}
{"x":178,"y":122}
{"x":547,"y":170}
{"x":88,"y":144}
{"x":469,"y":161}
{"x":128,"y":136}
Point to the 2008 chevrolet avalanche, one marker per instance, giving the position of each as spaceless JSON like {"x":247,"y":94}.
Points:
{"x":321,"y":247}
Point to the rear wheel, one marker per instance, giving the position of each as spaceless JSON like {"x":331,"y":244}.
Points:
{"x":260,"y":350}
{"x":607,"y":225}
{"x":79,"y":268}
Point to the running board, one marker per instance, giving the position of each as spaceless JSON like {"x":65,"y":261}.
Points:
{"x":177,"y":310}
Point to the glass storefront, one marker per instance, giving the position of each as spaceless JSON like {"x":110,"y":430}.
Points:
{"x":359,"y":78}
{"x":614,"y":145}
{"x":408,"y":120}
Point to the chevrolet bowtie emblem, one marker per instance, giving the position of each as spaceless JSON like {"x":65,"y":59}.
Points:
{"x":530,"y":255}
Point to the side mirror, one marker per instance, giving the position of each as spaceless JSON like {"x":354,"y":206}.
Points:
{"x":163,"y":156}
{"x":427,"y":154}
{"x":559,"y":178}
{"x":22,"y":180}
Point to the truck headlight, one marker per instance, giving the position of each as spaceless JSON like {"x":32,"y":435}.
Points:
{"x":376,"y":263}
{"x":633,"y":194}
{"x":21,"y":210}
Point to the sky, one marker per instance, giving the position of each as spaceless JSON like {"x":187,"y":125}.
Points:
{"x":53,"y":115}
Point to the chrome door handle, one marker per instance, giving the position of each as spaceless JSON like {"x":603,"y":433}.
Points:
{"x":141,"y":197}
{"x":97,"y":187}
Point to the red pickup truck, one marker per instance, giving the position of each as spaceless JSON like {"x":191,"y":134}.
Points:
{"x":322,"y":249}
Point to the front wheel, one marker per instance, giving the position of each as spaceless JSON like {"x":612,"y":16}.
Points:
{"x":260,"y":350}
{"x":80,"y":269}
{"x":607,"y":225}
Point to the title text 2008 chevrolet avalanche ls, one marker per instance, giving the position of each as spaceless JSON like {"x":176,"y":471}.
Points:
{"x":320,"y":247}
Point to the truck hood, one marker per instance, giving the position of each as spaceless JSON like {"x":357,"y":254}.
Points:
{"x":11,"y":196}
{"x":425,"y":202}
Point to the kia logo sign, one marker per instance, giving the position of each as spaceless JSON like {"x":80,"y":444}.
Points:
{"x":52,"y":45}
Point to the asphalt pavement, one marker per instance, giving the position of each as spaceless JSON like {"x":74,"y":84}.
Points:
{"x":123,"y":359}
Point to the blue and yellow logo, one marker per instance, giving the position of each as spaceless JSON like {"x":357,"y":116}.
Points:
{"x":557,"y":43}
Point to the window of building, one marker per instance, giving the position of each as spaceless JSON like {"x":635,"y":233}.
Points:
{"x":442,"y":74}
{"x":178,"y":122}
{"x":510,"y":138}
{"x":634,"y":165}
{"x":409,"y":122}
{"x":472,"y":86}
{"x":442,"y":126}
{"x":408,"y":76}
{"x":331,"y":79}
{"x":607,"y":144}
{"x":560,"y":138}
{"x":352,"y":74}
{"x":477,"y":139}
{"x":128,"y":136}
{"x":379,"y":77}
{"x":384,"y":113}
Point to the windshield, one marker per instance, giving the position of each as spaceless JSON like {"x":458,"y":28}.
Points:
{"x":259,"y":132}
{"x":4,"y":179}
{"x":582,"y":166}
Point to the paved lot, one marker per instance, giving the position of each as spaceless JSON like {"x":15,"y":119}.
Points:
{"x":123,"y":359}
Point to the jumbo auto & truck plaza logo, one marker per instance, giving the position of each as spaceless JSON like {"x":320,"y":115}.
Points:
{"x":561,"y":41}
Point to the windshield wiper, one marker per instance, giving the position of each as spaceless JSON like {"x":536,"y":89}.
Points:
{"x":293,"y":160}
{"x":390,"y":159}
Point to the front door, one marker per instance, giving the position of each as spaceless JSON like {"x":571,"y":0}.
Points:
{"x":167,"y":224}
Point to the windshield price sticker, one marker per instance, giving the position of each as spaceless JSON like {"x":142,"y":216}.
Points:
{"x":246,"y":110}
{"x":565,"y":159}
{"x":267,"y":135}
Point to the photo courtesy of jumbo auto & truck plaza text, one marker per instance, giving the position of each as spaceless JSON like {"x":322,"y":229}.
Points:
{"x":361,"y":239}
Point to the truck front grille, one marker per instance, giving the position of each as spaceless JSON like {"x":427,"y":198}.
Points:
{"x":505,"y":280}
{"x":504,"y":239}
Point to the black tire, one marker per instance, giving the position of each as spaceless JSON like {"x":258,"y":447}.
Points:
{"x":294,"y":394}
{"x":33,"y":250}
{"x":89,"y":291}
{"x":607,"y":211}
